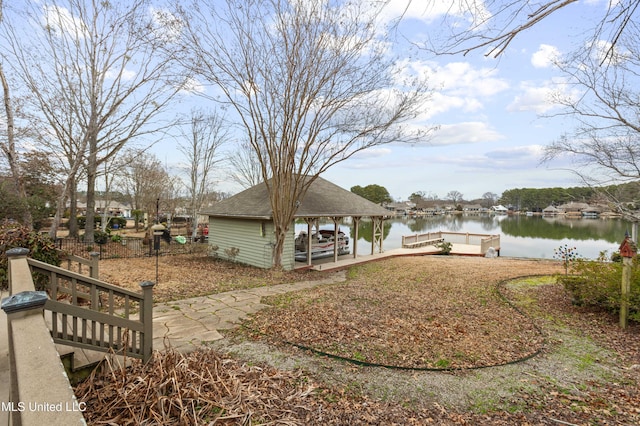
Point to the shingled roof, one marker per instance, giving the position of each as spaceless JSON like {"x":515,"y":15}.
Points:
{"x":323,"y":199}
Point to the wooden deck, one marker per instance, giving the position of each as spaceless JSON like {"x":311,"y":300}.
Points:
{"x":348,"y":260}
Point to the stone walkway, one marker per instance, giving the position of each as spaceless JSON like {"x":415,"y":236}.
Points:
{"x":187,"y":324}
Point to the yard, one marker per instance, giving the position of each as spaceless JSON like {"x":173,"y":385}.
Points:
{"x":429,"y":340}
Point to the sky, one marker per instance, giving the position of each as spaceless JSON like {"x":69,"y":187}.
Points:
{"x":490,"y":135}
{"x":489,"y":111}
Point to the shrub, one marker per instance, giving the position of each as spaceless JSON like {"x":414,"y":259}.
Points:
{"x":445,"y":247}
{"x":40,"y":246}
{"x":100,"y":237}
{"x":598,"y":284}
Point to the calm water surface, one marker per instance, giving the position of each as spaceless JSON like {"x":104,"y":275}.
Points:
{"x":520,"y":236}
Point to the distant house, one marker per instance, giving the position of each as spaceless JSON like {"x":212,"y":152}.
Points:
{"x":399,"y":207}
{"x":573,"y":208}
{"x":499,"y":209}
{"x":472,"y":208}
{"x":242,"y":228}
{"x":113,"y":208}
{"x":551,"y":211}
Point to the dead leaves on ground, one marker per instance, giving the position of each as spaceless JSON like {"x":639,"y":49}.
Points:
{"x":186,"y":276}
{"x":412,"y":313}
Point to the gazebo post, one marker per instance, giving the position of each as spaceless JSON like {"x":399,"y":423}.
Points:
{"x":335,"y":238}
{"x":309,"y":242}
{"x":356,"y":224}
{"x":377,"y":234}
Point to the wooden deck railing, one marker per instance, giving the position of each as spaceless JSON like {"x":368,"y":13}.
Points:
{"x":39,"y":390}
{"x":92,"y":314}
{"x":80,"y":263}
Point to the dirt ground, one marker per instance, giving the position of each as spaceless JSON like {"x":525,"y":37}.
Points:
{"x":429,"y":340}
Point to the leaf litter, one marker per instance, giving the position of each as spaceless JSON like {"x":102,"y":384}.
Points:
{"x":393,"y":312}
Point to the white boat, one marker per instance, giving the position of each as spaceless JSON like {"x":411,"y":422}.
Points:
{"x":322,"y":244}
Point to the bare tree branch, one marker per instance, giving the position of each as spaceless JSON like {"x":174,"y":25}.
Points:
{"x":311,"y":84}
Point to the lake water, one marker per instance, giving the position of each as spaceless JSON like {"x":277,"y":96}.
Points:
{"x":520,"y":236}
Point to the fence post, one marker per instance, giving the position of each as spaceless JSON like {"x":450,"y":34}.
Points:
{"x":146,"y":316}
{"x":94,"y":272}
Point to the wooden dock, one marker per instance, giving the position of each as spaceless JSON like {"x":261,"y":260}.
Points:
{"x":348,"y":260}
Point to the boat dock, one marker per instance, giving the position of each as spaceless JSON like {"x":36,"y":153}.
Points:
{"x":463,"y":248}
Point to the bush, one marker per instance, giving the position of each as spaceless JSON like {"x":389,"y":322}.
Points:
{"x":40,"y":246}
{"x":100,"y":237}
{"x":445,"y":247}
{"x":598,"y":284}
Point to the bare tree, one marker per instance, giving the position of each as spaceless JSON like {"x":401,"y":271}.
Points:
{"x":245,"y":166}
{"x":97,"y":74}
{"x":605,"y":145}
{"x":455,"y":196}
{"x":489,"y":199}
{"x":200,"y":147}
{"x":311,"y":83}
{"x":492,"y":25}
{"x":9,"y":149}
{"x":144,"y":181}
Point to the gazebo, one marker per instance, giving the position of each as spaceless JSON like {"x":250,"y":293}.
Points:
{"x":241,"y":227}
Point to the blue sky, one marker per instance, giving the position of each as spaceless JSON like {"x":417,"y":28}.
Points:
{"x":491,"y":133}
{"x":489,"y":111}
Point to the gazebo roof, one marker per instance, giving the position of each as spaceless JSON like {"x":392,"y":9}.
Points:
{"x":323,"y":199}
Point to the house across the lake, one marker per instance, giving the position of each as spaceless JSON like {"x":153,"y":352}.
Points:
{"x":241,"y":227}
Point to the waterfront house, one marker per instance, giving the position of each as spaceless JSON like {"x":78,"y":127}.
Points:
{"x":551,"y":211}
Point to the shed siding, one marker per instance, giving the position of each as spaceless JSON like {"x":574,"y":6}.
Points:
{"x":253,"y":238}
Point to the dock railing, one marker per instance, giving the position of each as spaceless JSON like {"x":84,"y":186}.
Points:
{"x":419,"y":240}
{"x":483,"y":241}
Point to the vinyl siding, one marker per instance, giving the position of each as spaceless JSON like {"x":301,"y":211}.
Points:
{"x":254,"y":239}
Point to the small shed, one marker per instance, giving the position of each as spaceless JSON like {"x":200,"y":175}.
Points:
{"x":241,"y":227}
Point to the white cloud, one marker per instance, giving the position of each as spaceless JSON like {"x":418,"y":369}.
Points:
{"x":528,"y":152}
{"x":465,"y":133}
{"x":457,"y":85}
{"x":371,"y":153}
{"x":534,"y":97}
{"x":463,"y":78}
{"x":124,"y":75}
{"x":545,"y":56}
{"x":167,"y":26}
{"x":473,"y":11}
{"x":192,"y":86}
{"x":60,"y":19}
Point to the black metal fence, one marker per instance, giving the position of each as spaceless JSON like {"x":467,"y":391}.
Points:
{"x":126,"y":247}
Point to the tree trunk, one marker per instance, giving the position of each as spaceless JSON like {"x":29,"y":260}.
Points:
{"x":12,"y":156}
{"x":91,"y":197}
{"x":73,"y":209}
{"x":278,"y":248}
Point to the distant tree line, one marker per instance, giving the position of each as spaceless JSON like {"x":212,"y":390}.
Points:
{"x":536,"y":199}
